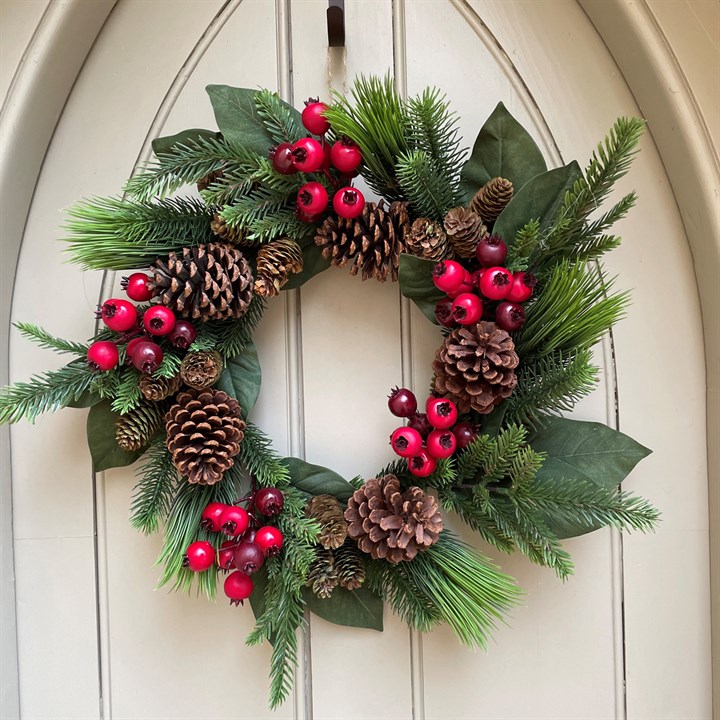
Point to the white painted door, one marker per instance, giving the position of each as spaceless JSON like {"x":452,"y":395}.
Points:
{"x":628,"y":635}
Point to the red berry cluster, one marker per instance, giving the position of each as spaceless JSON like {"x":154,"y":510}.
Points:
{"x":140,"y":332}
{"x":490,"y":292}
{"x":429,"y":436}
{"x":309,"y":155}
{"x":249,"y":543}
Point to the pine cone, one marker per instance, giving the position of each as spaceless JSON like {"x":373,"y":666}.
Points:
{"x":223,"y":230}
{"x":372,"y":242}
{"x":201,"y":368}
{"x":427,"y":239}
{"x":209,"y":282}
{"x":158,"y":388}
{"x":322,"y":576}
{"x":204,"y":430}
{"x":476,"y":366}
{"x":135,"y":429}
{"x":465,"y":229}
{"x":490,"y":200}
{"x":349,"y":565}
{"x":206,"y":181}
{"x":275,"y":261}
{"x":391,"y":525}
{"x":329,"y":515}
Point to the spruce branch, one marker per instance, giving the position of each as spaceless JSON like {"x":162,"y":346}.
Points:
{"x":50,"y":342}
{"x":278,"y":117}
{"x":523,"y":247}
{"x":424,"y":185}
{"x":127,"y":396}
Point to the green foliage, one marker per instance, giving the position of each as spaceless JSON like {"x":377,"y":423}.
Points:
{"x":101,"y":429}
{"x":282,"y":121}
{"x":428,"y":191}
{"x":241,"y":378}
{"x":361,"y":608}
{"x":168,"y":143}
{"x":170,"y":365}
{"x":415,"y":278}
{"x":127,"y":395}
{"x":230,"y":337}
{"x":261,"y":461}
{"x":50,"y":342}
{"x":317,"y":480}
{"x":522,"y":248}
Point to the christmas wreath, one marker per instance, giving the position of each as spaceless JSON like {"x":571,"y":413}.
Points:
{"x":495,"y":249}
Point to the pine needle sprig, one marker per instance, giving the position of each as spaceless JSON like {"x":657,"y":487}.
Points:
{"x":278,"y":117}
{"x":257,"y":455}
{"x":423,"y":185}
{"x":264,"y":214}
{"x":520,"y":251}
{"x":50,"y":342}
{"x":170,"y":365}
{"x":127,"y":396}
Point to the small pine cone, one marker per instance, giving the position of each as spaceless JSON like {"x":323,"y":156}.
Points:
{"x":371,"y":243}
{"x":207,"y":282}
{"x":158,"y":388}
{"x":275,"y":262}
{"x":427,"y":239}
{"x":328,"y":513}
{"x":322,"y":577}
{"x":205,"y":182}
{"x":201,"y":368}
{"x":224,"y":231}
{"x":392,"y":525}
{"x":349,"y":565}
{"x":204,"y":431}
{"x":465,"y":229}
{"x":135,"y":429}
{"x":476,"y":366}
{"x":490,"y":200}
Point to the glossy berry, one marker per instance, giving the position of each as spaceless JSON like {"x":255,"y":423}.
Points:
{"x":441,"y":412}
{"x":308,"y":155}
{"x":441,"y":444}
{"x":269,"y":539}
{"x":448,"y":275}
{"x":326,"y":155}
{"x":249,"y":557}
{"x":226,"y":555}
{"x":130,"y":347}
{"x":183,"y":335}
{"x":348,"y":202}
{"x":136,"y":287}
{"x":465,"y":287}
{"x":345,"y":156}
{"x":312,"y":199}
{"x":406,"y":442}
{"x":159,"y":320}
{"x":495,"y":283}
{"x":269,"y":501}
{"x":103,"y":355}
{"x":522,"y":287}
{"x":210,"y":520}
{"x":119,"y":315}
{"x":443,"y":313}
{"x":510,"y":316}
{"x":238,"y":587}
{"x":147,"y":356}
{"x":467,"y":309}
{"x":234,"y":520}
{"x":199,"y":556}
{"x":422,"y":464}
{"x":313,"y":118}
{"x":465,"y":433}
{"x":420,"y":422}
{"x":282,"y":159}
{"x":491,"y":250}
{"x":402,"y":402}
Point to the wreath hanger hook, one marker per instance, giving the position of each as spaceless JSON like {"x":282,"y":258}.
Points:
{"x":336,"y":23}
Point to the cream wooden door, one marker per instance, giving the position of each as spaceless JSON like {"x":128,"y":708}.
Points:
{"x":627,"y":636}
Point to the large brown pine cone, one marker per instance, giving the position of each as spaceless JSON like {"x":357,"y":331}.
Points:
{"x":201,"y":368}
{"x":328,"y":513}
{"x":371,"y":243}
{"x":204,"y":431}
{"x":392,"y":525}
{"x":476,"y":366}
{"x":490,"y":200}
{"x":207,"y":282}
{"x":275,"y":262}
{"x":465,"y":229}
{"x":426,"y":239}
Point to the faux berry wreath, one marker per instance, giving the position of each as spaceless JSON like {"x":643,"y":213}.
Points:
{"x":494,"y":248}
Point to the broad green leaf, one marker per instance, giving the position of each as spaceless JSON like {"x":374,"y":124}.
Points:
{"x":503,"y":148}
{"x":415,"y":277}
{"x":359,"y":608}
{"x":104,"y":449}
{"x":539,"y":199}
{"x":166,"y":144}
{"x":241,"y":378}
{"x":492,"y":422}
{"x":86,"y":400}
{"x":238,"y":119}
{"x":313,"y":264}
{"x":317,"y":480}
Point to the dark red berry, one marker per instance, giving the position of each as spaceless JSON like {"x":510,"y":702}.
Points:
{"x":495,"y":283}
{"x":491,"y":250}
{"x":441,"y":444}
{"x":238,"y":587}
{"x":210,"y":520}
{"x":159,"y":320}
{"x":348,"y":202}
{"x":249,"y":557}
{"x":406,"y":442}
{"x":420,"y":422}
{"x":269,"y":501}
{"x":119,"y":315}
{"x":467,"y":309}
{"x":234,"y":520}
{"x":308,"y":155}
{"x":147,"y":356}
{"x":183,"y":334}
{"x":312,"y":199}
{"x":448,"y":275}
{"x":136,"y":286}
{"x":510,"y":316}
{"x":103,"y":355}
{"x":313,"y":118}
{"x":270,"y":539}
{"x":282,"y":159}
{"x":422,"y":464}
{"x":345,"y":155}
{"x":522,"y":287}
{"x":402,"y":402}
{"x":443,"y":313}
{"x":130,"y":347}
{"x":226,"y":555}
{"x":199,"y":556}
{"x":465,"y":433}
{"x":441,"y":412}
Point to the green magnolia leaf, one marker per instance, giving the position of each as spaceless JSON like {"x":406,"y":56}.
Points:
{"x":86,"y":400}
{"x":359,"y":608}
{"x":238,"y":119}
{"x":539,"y":199}
{"x":242,"y":377}
{"x":166,"y":144}
{"x":415,"y":277}
{"x":503,"y":148}
{"x":104,"y":449}
{"x":317,"y":480}
{"x":313,"y":264}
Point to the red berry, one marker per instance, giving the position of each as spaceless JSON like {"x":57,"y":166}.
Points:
{"x":103,"y":355}
{"x":465,"y":433}
{"x":402,"y":402}
{"x":465,"y":287}
{"x":234,"y":520}
{"x":348,"y":202}
{"x":422,"y":464}
{"x":443,"y":313}
{"x":210,"y":521}
{"x":491,"y":250}
{"x":282,"y":159}
{"x":226,"y":555}
{"x":406,"y":442}
{"x":441,"y":412}
{"x":308,"y":155}
{"x":118,"y":315}
{"x":136,"y":286}
{"x":147,"y":356}
{"x":313,"y":118}
{"x":238,"y":587}
{"x":269,"y":501}
{"x":345,"y":156}
{"x":249,"y":557}
{"x":312,"y":199}
{"x":199,"y":556}
{"x":420,"y":422}
{"x":448,"y":275}
{"x":510,"y":316}
{"x":441,"y":443}
{"x":130,"y":347}
{"x":269,"y":539}
{"x":522,"y":287}
{"x":467,"y":309}
{"x":495,"y":283}
{"x":159,"y":320}
{"x":326,"y":155}
{"x":183,"y":335}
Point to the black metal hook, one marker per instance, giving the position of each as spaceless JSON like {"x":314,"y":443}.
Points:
{"x":336,"y":23}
